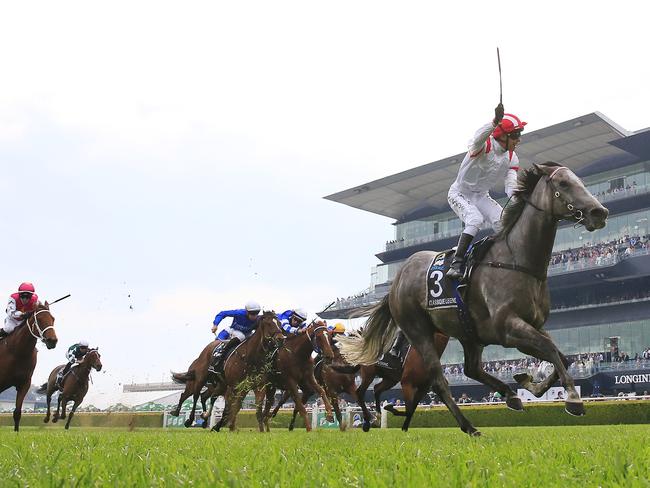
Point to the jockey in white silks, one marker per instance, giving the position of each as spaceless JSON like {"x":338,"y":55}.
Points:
{"x":491,"y":158}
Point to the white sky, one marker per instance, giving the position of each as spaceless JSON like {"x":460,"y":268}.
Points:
{"x":178,"y":152}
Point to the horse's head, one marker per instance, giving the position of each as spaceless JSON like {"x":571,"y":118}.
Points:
{"x":40,"y":324}
{"x":562,"y":194}
{"x":93,"y":358}
{"x":269,"y":325}
{"x":320,"y":338}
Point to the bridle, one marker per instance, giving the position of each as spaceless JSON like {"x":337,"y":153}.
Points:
{"x":574,"y":213}
{"x":41,"y":332}
{"x":312,"y":338}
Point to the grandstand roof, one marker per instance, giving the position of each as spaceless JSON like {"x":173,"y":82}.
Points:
{"x":578,"y":143}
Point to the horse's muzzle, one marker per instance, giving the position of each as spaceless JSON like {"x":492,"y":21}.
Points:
{"x":50,"y":343}
{"x":596,"y":218}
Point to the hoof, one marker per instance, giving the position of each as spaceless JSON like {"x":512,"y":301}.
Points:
{"x":67,"y":426}
{"x":55,"y":420}
{"x":475,"y":433}
{"x":522,"y":378}
{"x":205,"y":425}
{"x":514,"y":403}
{"x":188,"y":423}
{"x":577,"y":409}
{"x":46,"y":420}
{"x":290,"y":427}
{"x":330,"y":418}
{"x":366,"y":426}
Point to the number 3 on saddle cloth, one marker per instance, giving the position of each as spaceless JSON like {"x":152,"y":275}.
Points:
{"x":443,"y":292}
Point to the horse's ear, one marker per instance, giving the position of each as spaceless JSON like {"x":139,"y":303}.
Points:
{"x":547,"y":168}
{"x":47,"y":305}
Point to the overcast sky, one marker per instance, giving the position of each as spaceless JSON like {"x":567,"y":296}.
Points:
{"x":162,"y":161}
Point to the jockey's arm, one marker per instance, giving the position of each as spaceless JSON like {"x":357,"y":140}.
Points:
{"x":511,"y":176}
{"x":480,"y":138}
{"x":12,"y":312}
{"x":288,"y":328}
{"x":222,"y":315}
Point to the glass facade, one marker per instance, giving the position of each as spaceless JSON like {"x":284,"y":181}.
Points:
{"x":633,"y":337}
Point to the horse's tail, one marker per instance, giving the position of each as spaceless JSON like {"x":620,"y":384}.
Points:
{"x":183,"y":378}
{"x":378,"y":335}
{"x":42,"y":389}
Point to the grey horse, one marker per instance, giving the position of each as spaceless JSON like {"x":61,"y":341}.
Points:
{"x":507,"y":296}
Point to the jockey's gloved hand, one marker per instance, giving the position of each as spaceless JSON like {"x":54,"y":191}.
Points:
{"x":498,"y":114}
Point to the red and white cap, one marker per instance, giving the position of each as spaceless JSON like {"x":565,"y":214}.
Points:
{"x":510,"y":123}
{"x":26,"y":288}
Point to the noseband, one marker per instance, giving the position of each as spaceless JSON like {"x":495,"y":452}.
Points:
{"x":41,"y":332}
{"x":574,"y":212}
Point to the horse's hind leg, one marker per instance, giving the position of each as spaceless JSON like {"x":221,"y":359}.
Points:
{"x":190,"y":419}
{"x":189,"y":387}
{"x":367,"y":418}
{"x":530,"y":341}
{"x":474,"y":369}
{"x":55,"y":417}
{"x":412,"y":399}
{"x":384,"y":385}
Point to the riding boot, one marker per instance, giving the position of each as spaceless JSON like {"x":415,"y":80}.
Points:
{"x":397,"y":345}
{"x":455,"y":272}
{"x":220,"y":353}
{"x":61,"y":374}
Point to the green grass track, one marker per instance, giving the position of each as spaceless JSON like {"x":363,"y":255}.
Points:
{"x":505,"y":456}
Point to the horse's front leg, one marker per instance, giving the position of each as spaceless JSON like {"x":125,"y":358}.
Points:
{"x":260,"y":394}
{"x":474,"y":369}
{"x":311,"y":381}
{"x":18,"y":411}
{"x":530,"y":341}
{"x":55,"y":417}
{"x":525,"y":380}
{"x":48,"y":401}
{"x":72,"y":411}
{"x":292,"y":387}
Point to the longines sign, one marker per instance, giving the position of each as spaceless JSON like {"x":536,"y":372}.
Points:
{"x":625,"y":379}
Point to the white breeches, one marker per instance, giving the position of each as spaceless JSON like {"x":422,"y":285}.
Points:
{"x":474,"y":209}
{"x":233,"y":333}
{"x":11,"y":324}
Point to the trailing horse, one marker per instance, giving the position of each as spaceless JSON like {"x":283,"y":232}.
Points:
{"x":73,"y":388}
{"x":293,"y":368}
{"x":18,"y":354}
{"x":507,"y":297}
{"x":334,"y":383}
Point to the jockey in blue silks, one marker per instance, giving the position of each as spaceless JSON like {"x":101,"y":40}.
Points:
{"x":243,"y":325}
{"x":293,"y":321}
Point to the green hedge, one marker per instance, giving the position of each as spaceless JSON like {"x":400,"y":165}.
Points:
{"x":128,"y":420}
{"x":597,"y":413}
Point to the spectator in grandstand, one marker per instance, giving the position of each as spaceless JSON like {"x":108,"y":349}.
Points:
{"x":491,"y":157}
{"x":20,"y":304}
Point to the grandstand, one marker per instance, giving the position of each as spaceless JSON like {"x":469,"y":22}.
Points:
{"x":599,"y":282}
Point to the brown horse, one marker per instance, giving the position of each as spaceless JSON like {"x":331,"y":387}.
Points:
{"x":334,"y":383}
{"x":293,"y":368}
{"x":18,"y":354}
{"x":415,"y":384}
{"x":74,"y":386}
{"x":245,"y":366}
{"x":195,"y":379}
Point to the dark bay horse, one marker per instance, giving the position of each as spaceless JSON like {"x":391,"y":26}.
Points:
{"x":73,"y":387}
{"x":245,"y":367}
{"x":18,"y":354}
{"x":507,"y":296}
{"x":335,"y":383}
{"x":412,"y":376}
{"x":293,"y":368}
{"x":196,"y":377}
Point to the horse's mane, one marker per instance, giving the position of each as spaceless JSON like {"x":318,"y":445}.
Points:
{"x":526,"y":182}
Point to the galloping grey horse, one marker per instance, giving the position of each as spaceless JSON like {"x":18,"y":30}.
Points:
{"x":507,"y":297}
